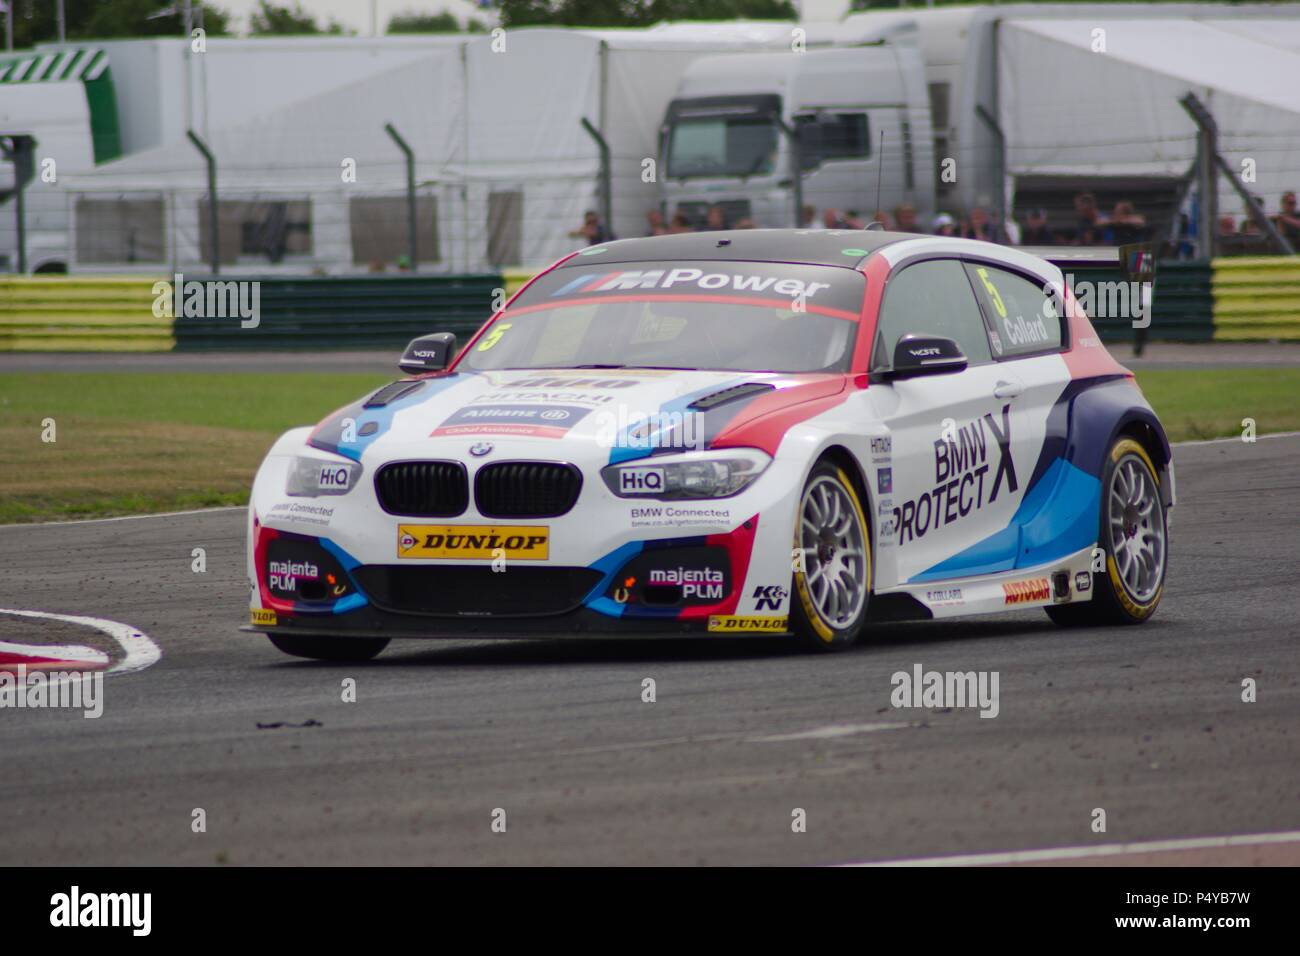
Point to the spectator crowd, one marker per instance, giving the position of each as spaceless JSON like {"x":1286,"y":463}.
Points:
{"x":1287,"y":222}
{"x":1087,"y":225}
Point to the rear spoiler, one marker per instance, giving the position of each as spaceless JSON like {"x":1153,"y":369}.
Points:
{"x":1137,"y":262}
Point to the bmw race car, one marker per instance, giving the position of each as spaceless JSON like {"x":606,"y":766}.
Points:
{"x":764,"y":432}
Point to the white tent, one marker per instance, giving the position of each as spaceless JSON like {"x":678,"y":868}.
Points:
{"x":326,"y":155}
{"x":165,"y":88}
{"x":1100,"y":96}
{"x":1283,"y":34}
{"x":503,"y":160}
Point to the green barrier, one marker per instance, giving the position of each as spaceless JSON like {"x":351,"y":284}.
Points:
{"x":1236,"y":299}
{"x":1181,"y":307}
{"x":1257,"y":298}
{"x":345,"y":312}
{"x":515,"y":279}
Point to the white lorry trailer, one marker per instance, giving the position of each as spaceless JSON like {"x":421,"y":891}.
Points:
{"x":859,"y":113}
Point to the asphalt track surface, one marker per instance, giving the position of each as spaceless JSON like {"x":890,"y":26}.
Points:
{"x":1146,"y":723}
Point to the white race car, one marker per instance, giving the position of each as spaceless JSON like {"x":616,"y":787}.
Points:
{"x":765,"y":432}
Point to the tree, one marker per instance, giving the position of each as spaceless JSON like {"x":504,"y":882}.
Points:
{"x":272,"y":19}
{"x":637,"y":13}
{"x":111,"y":19}
{"x":410,"y":22}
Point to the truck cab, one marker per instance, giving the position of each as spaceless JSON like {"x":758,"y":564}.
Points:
{"x":861,"y":115}
{"x":46,"y":222}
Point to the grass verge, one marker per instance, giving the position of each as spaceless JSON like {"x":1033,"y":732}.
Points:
{"x":1199,"y":404}
{"x":138,"y":442}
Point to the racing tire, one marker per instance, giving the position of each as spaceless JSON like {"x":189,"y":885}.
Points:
{"x":832,"y":584}
{"x":341,"y":649}
{"x":1134,"y":538}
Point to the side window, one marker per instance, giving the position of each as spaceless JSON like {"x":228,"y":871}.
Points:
{"x":931,"y":298}
{"x":824,"y":136}
{"x":1023,"y":319}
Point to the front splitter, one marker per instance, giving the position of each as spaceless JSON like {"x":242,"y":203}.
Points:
{"x":369,"y":622}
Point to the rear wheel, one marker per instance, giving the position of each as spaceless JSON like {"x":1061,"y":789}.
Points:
{"x":343,"y":649}
{"x":1133,"y":537}
{"x":833,"y":581}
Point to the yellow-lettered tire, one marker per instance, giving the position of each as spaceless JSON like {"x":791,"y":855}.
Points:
{"x":1134,"y":540}
{"x":832,"y":577}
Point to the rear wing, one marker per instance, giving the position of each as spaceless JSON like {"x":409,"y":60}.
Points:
{"x":1136,"y":262}
{"x":1089,"y":270}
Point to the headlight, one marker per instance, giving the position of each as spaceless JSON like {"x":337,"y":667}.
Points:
{"x":310,"y":477}
{"x":719,"y":474}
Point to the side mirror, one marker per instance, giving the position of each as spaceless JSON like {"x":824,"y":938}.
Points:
{"x":428,"y":353}
{"x":916,"y":355}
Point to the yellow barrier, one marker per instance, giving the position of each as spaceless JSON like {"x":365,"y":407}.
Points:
{"x":1257,"y":298}
{"x":81,"y":314}
{"x":515,"y":278}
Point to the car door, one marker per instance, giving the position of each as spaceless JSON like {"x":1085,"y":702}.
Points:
{"x":1057,"y":513}
{"x":953,"y":484}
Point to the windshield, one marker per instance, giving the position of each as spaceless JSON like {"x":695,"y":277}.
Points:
{"x":732,"y":316}
{"x":721,"y":146}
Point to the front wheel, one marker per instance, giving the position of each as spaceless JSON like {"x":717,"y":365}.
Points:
{"x":1134,"y":540}
{"x":341,"y":649}
{"x":833,"y":580}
